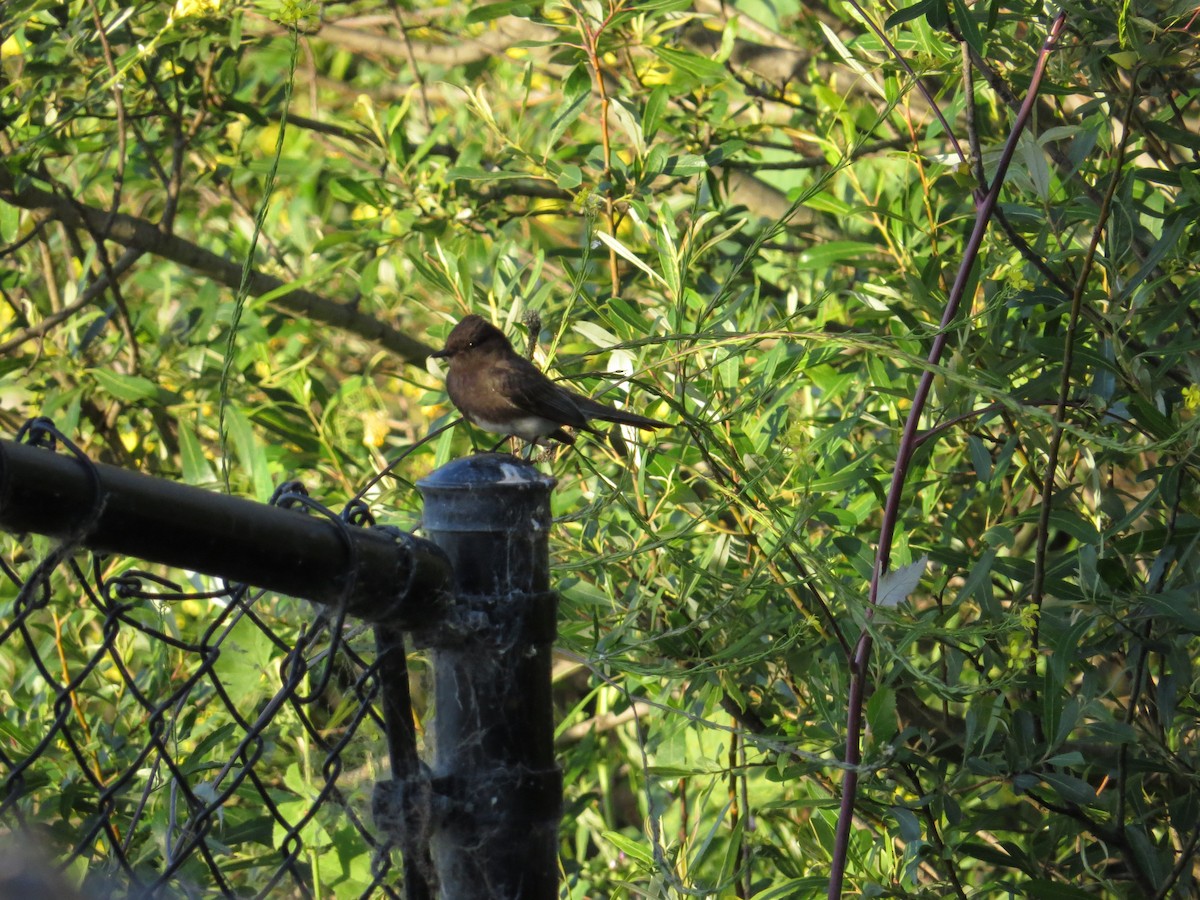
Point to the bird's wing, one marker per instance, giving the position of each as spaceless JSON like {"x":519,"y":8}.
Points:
{"x":539,"y":395}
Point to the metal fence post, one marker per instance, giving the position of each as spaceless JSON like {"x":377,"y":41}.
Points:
{"x":498,"y":791}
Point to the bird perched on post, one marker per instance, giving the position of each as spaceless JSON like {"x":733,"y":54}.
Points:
{"x":498,"y":390}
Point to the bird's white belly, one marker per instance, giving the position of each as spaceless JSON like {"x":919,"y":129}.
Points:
{"x":528,"y":428}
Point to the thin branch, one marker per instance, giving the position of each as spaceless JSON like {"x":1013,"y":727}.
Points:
{"x":917,"y":81}
{"x":413,"y":66}
{"x":88,"y":297}
{"x":591,"y":40}
{"x":1064,"y":386}
{"x":123,"y":317}
{"x":816,"y":162}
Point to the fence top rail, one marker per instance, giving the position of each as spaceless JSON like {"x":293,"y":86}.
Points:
{"x":381,"y":573}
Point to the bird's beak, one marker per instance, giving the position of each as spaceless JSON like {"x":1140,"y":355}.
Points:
{"x":440,"y":354}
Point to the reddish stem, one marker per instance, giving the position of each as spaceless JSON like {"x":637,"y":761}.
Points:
{"x":908,"y":442}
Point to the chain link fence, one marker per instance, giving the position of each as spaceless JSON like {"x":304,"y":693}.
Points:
{"x":167,"y":735}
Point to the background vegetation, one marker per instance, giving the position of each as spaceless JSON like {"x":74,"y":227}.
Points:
{"x":230,"y":232}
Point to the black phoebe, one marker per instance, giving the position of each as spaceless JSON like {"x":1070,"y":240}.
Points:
{"x":501,"y":391}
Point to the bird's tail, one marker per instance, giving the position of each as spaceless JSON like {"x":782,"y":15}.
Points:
{"x":594,"y":410}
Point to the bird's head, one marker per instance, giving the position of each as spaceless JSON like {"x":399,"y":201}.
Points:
{"x":472,"y":335}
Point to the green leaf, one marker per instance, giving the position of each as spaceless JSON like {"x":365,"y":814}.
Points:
{"x":829,"y":253}
{"x":488,"y":12}
{"x":685,"y":165}
{"x":938,"y":15}
{"x":577,"y":89}
{"x":656,"y":162}
{"x":350,"y":190}
{"x":250,"y":453}
{"x":907,"y":14}
{"x":199,"y":759}
{"x":970,"y":29}
{"x":981,"y":459}
{"x":1044,"y":889}
{"x":570,"y":178}
{"x":702,"y":68}
{"x":1177,"y":607}
{"x":793,"y":888}
{"x":845,"y":477}
{"x":1152,"y":860}
{"x":881,"y":715}
{"x":594,"y":334}
{"x":1070,"y":788}
{"x":629,"y":256}
{"x":821,"y":201}
{"x":1168,"y":241}
{"x":908,"y":825}
{"x":130,"y":388}
{"x":652,"y":113}
{"x":196,"y":469}
{"x":10,"y":218}
{"x":244,"y":663}
{"x":472,"y":174}
{"x":336,"y":239}
{"x":629,"y":847}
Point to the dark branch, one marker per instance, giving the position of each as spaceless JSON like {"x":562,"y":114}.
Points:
{"x":142,"y":235}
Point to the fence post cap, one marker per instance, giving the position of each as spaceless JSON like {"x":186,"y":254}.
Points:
{"x":486,"y":492}
{"x":493,"y":470}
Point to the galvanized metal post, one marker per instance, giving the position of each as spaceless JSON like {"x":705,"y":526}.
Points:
{"x":497,"y":790}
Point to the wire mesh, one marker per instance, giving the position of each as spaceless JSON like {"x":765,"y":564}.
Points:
{"x":169,"y":735}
